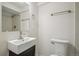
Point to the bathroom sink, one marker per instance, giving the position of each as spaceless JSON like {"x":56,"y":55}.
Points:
{"x":19,"y":45}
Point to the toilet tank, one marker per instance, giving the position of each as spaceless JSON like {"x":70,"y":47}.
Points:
{"x":60,"y":46}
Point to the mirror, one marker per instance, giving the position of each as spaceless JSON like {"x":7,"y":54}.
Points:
{"x":15,"y":18}
{"x":10,"y":20}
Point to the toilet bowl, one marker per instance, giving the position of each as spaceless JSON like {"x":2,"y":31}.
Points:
{"x":61,"y":47}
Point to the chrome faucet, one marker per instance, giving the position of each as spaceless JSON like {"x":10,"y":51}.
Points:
{"x":21,"y":35}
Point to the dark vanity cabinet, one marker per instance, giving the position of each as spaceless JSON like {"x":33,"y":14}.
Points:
{"x":28,"y":52}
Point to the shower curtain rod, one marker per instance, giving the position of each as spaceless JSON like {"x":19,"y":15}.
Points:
{"x":60,"y":13}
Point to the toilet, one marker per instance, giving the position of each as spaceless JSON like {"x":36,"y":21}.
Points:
{"x":61,"y":47}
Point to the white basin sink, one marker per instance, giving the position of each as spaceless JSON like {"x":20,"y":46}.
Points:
{"x":19,"y":45}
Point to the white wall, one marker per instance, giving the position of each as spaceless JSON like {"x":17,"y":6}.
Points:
{"x":33,"y":19}
{"x":0,"y":17}
{"x":77,"y":27}
{"x":61,"y":26}
{"x":33,"y":8}
{"x":3,"y":44}
{"x":12,"y":35}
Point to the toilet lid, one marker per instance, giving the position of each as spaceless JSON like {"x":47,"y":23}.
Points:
{"x":59,"y":41}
